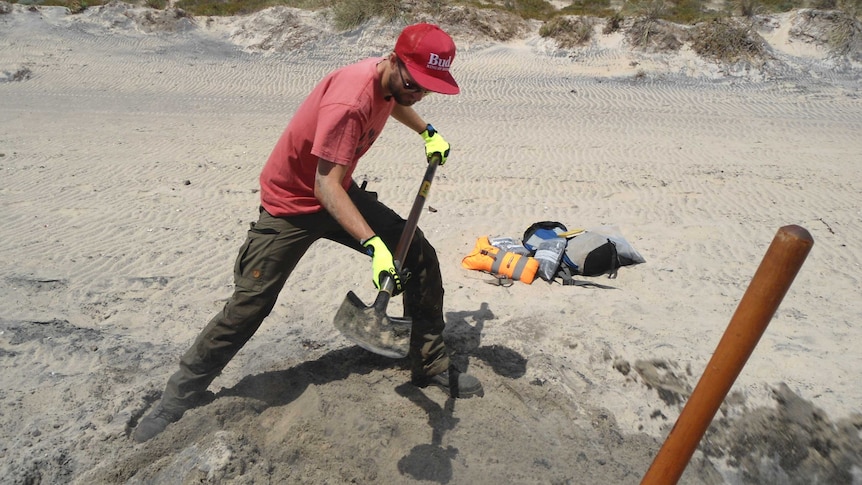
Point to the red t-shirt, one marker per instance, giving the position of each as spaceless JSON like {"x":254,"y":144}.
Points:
{"x":337,"y":122}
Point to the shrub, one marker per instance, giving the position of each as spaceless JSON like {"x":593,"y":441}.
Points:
{"x":656,"y":34}
{"x":613,"y":24}
{"x":646,"y":9}
{"x":348,"y":14}
{"x":242,"y":7}
{"x":747,"y":8}
{"x":568,"y":31}
{"x":501,"y":26}
{"x":677,"y":11}
{"x":595,"y":8}
{"x":686,"y":11}
{"x":530,"y":9}
{"x":77,"y":6}
{"x":729,"y":41}
{"x":844,"y":34}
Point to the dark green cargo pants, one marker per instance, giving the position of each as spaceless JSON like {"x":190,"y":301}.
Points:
{"x":270,"y":253}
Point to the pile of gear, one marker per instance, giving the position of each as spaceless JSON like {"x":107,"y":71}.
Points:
{"x":552,"y":252}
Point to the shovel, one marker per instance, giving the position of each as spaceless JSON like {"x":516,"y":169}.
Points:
{"x":369,"y":326}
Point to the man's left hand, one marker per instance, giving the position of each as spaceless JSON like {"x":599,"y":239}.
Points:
{"x":435,"y":144}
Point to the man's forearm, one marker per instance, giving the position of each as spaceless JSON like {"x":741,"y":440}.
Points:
{"x":409,"y":118}
{"x":333,"y":198}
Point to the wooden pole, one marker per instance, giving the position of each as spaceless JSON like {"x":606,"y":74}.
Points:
{"x":773,"y":278}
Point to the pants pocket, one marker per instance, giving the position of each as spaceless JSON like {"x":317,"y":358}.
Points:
{"x":254,"y":265}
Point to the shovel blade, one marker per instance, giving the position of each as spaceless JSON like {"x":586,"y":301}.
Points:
{"x":370,"y":327}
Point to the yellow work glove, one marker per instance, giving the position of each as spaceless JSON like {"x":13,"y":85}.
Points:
{"x":382,"y":264}
{"x":434,"y":143}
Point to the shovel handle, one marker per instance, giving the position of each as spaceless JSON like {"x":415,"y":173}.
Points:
{"x":413,"y":218}
{"x":770,"y":283}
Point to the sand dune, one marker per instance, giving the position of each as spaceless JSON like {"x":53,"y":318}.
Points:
{"x":130,"y":145}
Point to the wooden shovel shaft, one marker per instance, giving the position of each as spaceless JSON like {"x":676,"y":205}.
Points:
{"x":415,"y":212}
{"x":388,"y":284}
{"x":770,"y":283}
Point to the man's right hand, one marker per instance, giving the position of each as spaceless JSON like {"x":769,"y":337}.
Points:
{"x":382,"y":264}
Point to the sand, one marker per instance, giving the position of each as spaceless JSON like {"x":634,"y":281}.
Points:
{"x":131,"y":142}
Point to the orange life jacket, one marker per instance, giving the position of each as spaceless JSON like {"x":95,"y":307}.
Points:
{"x":491,"y":259}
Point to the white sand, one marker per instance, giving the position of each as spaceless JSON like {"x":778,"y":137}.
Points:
{"x":110,"y":262}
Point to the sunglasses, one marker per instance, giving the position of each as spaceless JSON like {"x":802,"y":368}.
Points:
{"x":410,"y":86}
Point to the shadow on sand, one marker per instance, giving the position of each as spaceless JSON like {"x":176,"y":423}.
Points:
{"x":426,"y":461}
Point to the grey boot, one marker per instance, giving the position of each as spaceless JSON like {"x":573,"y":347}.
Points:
{"x":453,"y":382}
{"x":158,"y":419}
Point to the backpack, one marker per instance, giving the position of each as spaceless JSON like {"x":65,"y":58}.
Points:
{"x":592,"y":254}
{"x":563,"y":253}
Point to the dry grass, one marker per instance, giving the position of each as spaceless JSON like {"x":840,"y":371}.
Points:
{"x":646,"y":9}
{"x":593,"y":8}
{"x":839,"y":31}
{"x":728,"y":40}
{"x":656,"y":35}
{"x":613,"y":24}
{"x":844,"y":36}
{"x":349,"y":14}
{"x":747,"y":8}
{"x":568,"y":31}
{"x":500,"y":26}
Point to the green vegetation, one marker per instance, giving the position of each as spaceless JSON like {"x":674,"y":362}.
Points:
{"x":241,"y":7}
{"x":686,"y":12}
{"x":74,"y":6}
{"x":530,"y":9}
{"x":349,"y":14}
{"x":354,"y":12}
{"x":594,"y":8}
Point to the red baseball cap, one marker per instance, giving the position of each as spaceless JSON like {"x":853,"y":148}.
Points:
{"x":428,"y":52}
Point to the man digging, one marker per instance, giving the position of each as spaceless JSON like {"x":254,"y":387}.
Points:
{"x":307,"y":193}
